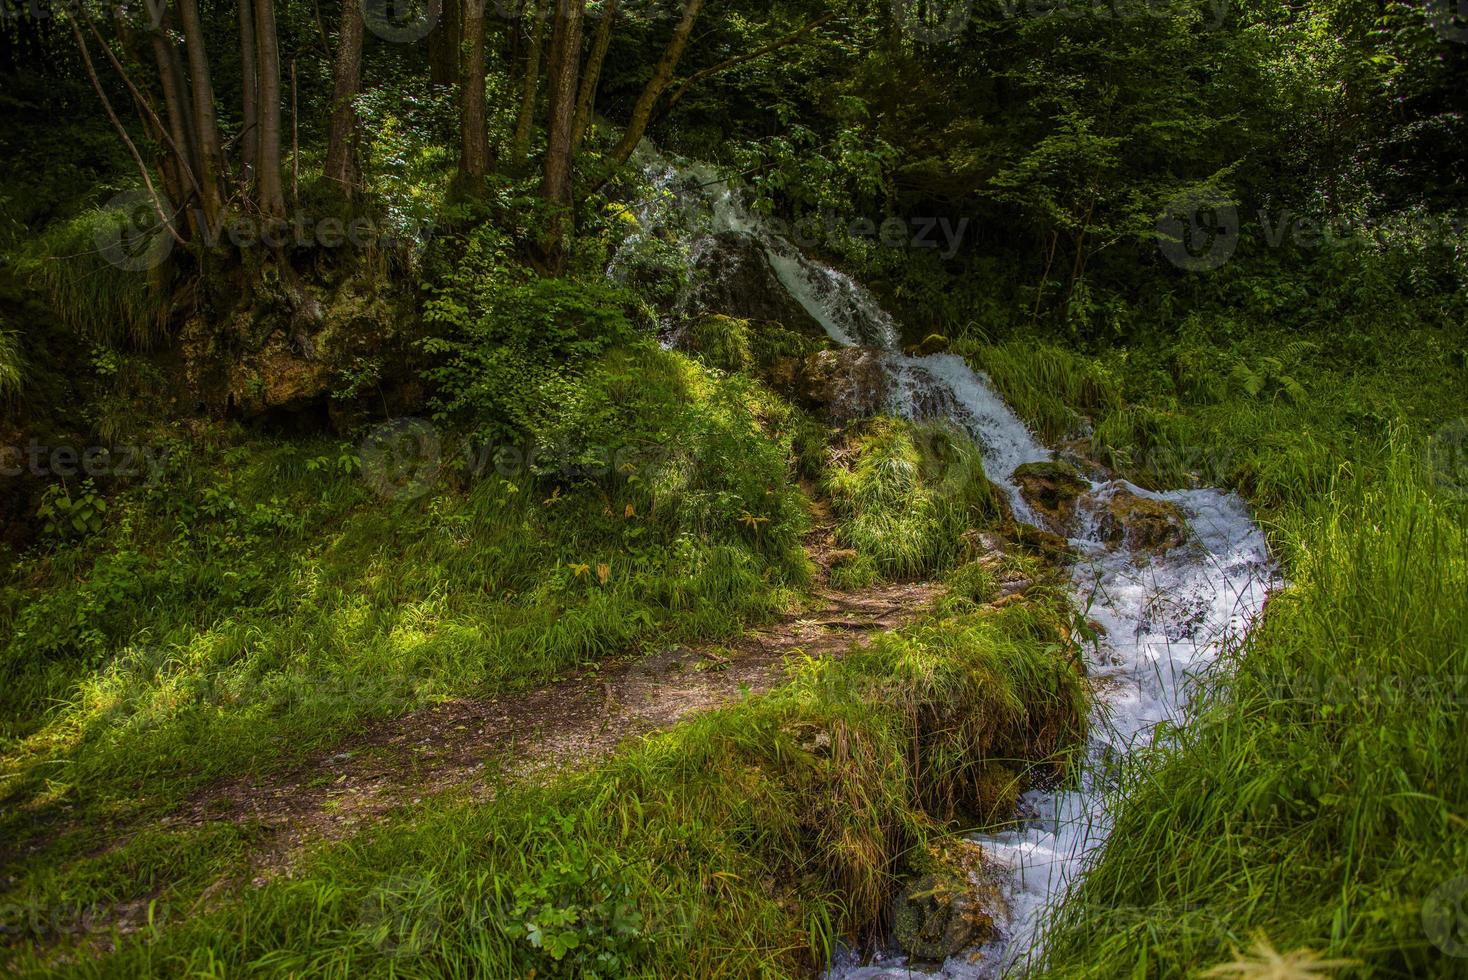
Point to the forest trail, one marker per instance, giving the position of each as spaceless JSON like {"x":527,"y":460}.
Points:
{"x":480,"y":744}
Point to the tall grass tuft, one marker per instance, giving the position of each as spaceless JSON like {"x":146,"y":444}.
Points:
{"x":12,"y":365}
{"x":908,"y":493}
{"x":93,"y":297}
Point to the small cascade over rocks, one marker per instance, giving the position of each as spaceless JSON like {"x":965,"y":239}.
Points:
{"x":1168,"y":578}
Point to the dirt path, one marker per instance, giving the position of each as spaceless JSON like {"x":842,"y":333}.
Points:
{"x":469,"y":743}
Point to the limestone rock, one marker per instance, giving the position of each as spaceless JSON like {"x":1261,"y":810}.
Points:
{"x":841,"y":385}
{"x":740,"y":282}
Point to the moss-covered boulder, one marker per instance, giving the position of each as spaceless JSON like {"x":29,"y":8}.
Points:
{"x":1053,"y":489}
{"x":933,"y":343}
{"x":1141,"y":523}
{"x":949,"y":907}
{"x":840,"y":385}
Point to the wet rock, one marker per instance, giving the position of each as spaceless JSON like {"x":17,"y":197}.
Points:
{"x":1052,"y":488}
{"x":739,"y":281}
{"x":1051,"y":548}
{"x":841,"y":385}
{"x":948,"y":909}
{"x":1141,"y":523}
{"x":933,"y":343}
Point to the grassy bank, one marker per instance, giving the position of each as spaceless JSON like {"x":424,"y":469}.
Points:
{"x":744,"y":843}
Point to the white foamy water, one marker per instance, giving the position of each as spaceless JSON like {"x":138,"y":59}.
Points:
{"x":1163,"y":619}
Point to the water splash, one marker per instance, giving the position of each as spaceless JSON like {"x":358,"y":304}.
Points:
{"x":1163,"y":620}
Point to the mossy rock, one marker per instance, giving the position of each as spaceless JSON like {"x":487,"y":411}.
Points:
{"x":947,"y":908}
{"x":1142,"y":523}
{"x":1049,"y":547}
{"x":1052,"y":488}
{"x":933,"y":343}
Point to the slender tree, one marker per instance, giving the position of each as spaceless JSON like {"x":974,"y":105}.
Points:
{"x":206,"y":129}
{"x":530,"y":90}
{"x":341,"y":162}
{"x":445,"y":44}
{"x":662,"y":75}
{"x":269,"y":195}
{"x":249,"y":91}
{"x":473,"y":136}
{"x":564,"y":69}
{"x":592,"y":75}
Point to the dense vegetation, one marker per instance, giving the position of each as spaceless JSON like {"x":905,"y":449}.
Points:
{"x":344,"y":377}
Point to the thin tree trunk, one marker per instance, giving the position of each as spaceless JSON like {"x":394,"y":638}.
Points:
{"x":250,"y":91}
{"x":295,"y":141}
{"x":444,"y":45}
{"x":526,"y":120}
{"x":164,"y":218}
{"x":592,"y":76}
{"x":341,"y":145}
{"x":661,"y":76}
{"x":269,"y":196}
{"x":206,"y":127}
{"x":1045,"y":277}
{"x":473,"y":136}
{"x":563,"y":68}
{"x":179,"y":160}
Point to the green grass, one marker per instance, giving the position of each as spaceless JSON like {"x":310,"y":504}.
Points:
{"x":1318,"y":797}
{"x":262,"y":600}
{"x":905,"y":493}
{"x":743,"y":843}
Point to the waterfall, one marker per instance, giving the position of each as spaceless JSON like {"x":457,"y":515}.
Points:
{"x":1164,"y":619}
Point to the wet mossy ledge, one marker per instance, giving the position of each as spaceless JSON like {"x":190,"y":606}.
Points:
{"x":750,"y":841}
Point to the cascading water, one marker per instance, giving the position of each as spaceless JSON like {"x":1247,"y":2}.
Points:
{"x":1163,"y":618}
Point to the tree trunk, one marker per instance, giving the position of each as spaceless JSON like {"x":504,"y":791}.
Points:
{"x":269,"y":195}
{"x":473,"y":136}
{"x":445,"y":44}
{"x":563,"y":68}
{"x":341,"y":163}
{"x":526,"y":121}
{"x":661,"y":76}
{"x":587,"y":99}
{"x":206,"y":127}
{"x":250,"y":90}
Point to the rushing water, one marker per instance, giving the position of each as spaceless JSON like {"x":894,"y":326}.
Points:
{"x":1163,"y":619}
